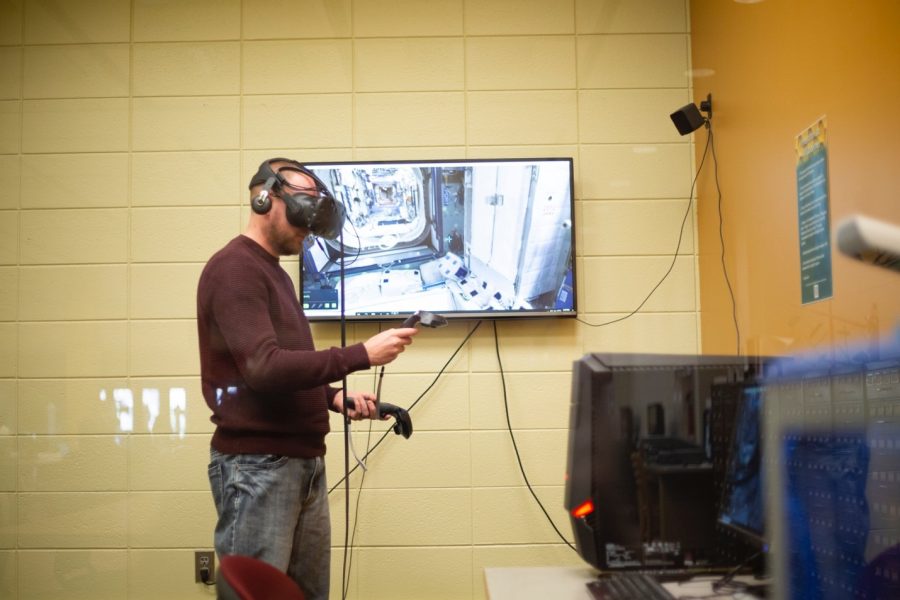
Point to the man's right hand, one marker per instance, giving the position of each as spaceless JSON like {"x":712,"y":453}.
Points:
{"x":385,"y":346}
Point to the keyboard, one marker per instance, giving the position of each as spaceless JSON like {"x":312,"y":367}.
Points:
{"x":628,"y":586}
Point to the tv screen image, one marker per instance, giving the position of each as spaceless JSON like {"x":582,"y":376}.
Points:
{"x":462,"y":238}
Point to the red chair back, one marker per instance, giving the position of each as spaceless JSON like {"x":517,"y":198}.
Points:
{"x":246,"y":578}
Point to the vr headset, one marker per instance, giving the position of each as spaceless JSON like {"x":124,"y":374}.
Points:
{"x":313,"y":209}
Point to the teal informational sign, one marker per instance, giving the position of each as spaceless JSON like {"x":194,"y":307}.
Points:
{"x":814,"y":216}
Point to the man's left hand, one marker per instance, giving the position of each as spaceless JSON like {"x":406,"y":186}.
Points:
{"x":364,"y":405}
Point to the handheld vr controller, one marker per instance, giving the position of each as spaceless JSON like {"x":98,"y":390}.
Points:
{"x":402,"y":421}
{"x":425,"y":319}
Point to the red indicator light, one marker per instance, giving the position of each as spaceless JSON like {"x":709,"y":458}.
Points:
{"x":583,"y":509}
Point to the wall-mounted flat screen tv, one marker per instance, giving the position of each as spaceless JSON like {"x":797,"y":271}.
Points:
{"x":462,"y":238}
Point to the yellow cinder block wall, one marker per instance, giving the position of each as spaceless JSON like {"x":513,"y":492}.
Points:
{"x":128,"y":130}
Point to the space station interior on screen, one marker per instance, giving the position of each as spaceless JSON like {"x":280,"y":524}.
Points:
{"x":492,"y":236}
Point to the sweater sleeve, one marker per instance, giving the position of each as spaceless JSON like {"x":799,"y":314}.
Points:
{"x":240,"y":307}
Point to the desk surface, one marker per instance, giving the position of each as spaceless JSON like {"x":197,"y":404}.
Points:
{"x":568,"y":583}
{"x":523,"y":583}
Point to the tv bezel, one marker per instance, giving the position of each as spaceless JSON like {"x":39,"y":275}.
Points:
{"x":455,"y":314}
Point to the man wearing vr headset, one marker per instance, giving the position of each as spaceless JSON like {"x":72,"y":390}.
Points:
{"x":267,"y":385}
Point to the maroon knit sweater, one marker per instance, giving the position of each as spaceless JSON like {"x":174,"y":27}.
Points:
{"x":261,"y":374}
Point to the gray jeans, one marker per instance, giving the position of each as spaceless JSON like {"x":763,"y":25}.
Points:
{"x":275,"y":508}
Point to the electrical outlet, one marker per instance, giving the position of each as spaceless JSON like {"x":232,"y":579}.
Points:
{"x":204,"y":562}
